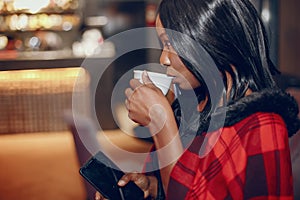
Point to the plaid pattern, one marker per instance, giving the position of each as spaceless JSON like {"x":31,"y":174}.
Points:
{"x":250,"y":160}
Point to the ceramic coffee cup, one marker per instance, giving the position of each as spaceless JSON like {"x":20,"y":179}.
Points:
{"x":162,"y":81}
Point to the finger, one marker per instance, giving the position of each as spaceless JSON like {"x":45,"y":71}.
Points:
{"x":97,"y":196}
{"x":124,"y":179}
{"x":145,"y":78}
{"x":134,"y":83}
{"x":140,"y":179}
{"x":126,"y":104}
{"x":128,"y":92}
{"x":129,"y":177}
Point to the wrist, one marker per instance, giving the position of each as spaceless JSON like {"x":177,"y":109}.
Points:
{"x":160,"y":116}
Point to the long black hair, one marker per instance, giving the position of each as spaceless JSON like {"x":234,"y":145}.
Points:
{"x":232,"y":33}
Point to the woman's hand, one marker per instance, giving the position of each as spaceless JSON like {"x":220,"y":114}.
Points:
{"x":146,"y":104}
{"x":98,"y":196}
{"x":148,"y":184}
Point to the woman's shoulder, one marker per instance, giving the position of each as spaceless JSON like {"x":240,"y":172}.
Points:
{"x":260,"y":120}
{"x":264,"y":107}
{"x":255,"y":127}
{"x":261,"y":131}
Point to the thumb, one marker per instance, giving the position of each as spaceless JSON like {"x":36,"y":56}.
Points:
{"x":145,"y":77}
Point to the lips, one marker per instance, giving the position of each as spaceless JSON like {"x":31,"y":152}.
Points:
{"x":169,"y":73}
{"x":175,"y":77}
{"x":173,"y":73}
{"x":175,"y":80}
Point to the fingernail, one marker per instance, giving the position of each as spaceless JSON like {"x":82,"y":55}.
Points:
{"x":97,"y":198}
{"x":121,"y":183}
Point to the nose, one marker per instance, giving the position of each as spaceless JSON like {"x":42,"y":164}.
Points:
{"x":164,"y":58}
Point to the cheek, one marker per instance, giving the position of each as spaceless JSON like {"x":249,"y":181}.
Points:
{"x":192,"y":81}
{"x":195,"y":83}
{"x":187,"y":79}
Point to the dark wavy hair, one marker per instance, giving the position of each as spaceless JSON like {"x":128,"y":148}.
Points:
{"x":231,"y":32}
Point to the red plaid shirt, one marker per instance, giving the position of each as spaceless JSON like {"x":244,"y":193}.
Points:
{"x":250,"y":160}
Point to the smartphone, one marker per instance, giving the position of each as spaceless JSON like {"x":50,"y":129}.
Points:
{"x":103,"y":175}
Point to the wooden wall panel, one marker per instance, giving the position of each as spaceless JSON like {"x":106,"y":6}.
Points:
{"x":289,"y":37}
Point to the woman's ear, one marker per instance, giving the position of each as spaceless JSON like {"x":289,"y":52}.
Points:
{"x":202,"y":104}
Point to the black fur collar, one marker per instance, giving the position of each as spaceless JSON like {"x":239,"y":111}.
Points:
{"x":268,"y":100}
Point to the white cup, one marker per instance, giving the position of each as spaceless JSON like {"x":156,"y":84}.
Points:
{"x":162,"y":81}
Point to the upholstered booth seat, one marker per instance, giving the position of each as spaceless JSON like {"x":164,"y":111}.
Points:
{"x":39,"y":158}
{"x":36,"y":166}
{"x":34,"y":100}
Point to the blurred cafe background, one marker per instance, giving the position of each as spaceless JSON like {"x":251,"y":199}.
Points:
{"x":43,"y":46}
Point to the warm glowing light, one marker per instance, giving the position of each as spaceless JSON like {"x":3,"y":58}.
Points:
{"x":34,"y":42}
{"x":40,"y":75}
{"x":33,"y":22}
{"x":3,"y":41}
{"x":67,"y":26}
{"x":32,"y":6}
{"x":22,"y":22}
{"x":30,"y":75}
{"x":97,"y":21}
{"x":266,"y":15}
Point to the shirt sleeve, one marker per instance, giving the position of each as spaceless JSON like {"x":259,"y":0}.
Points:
{"x":151,"y":168}
{"x":268,"y":173}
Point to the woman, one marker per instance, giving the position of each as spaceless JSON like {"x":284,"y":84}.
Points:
{"x":239,"y":127}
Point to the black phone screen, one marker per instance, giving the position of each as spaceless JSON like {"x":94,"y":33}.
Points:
{"x":104,"y":175}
